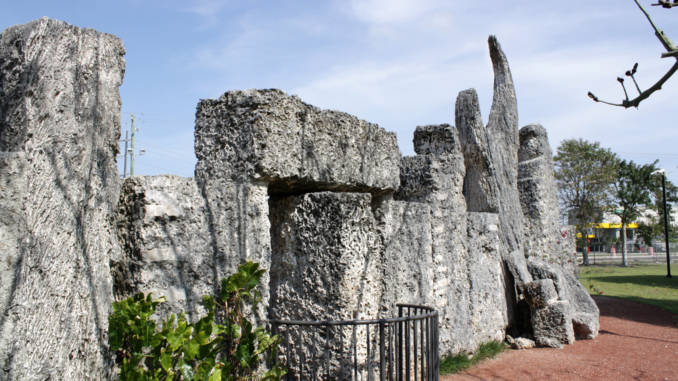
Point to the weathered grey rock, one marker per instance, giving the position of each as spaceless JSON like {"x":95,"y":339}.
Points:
{"x":326,"y":256}
{"x":490,"y":184}
{"x":467,"y":277}
{"x":254,"y":143}
{"x":444,"y":167}
{"x":417,"y":178}
{"x":551,"y":318}
{"x":168,"y":251}
{"x":585,"y":325}
{"x":326,"y":266}
{"x":480,"y":183}
{"x":502,"y":144}
{"x":523,"y":343}
{"x":59,"y":131}
{"x":428,"y":178}
{"x":474,"y":279}
{"x":180,"y":239}
{"x":435,"y":140}
{"x":486,"y":279}
{"x":539,"y":198}
{"x":552,"y":325}
{"x":540,"y":293}
{"x":269,"y":136}
{"x":491,"y":154}
{"x":445,"y":228}
{"x":585,"y":313}
{"x":436,"y":175}
{"x":239,"y":228}
{"x":408,"y":259}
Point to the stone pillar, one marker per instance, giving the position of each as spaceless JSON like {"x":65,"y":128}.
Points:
{"x":491,"y":182}
{"x":486,"y":279}
{"x":480,"y":183}
{"x":539,"y":199}
{"x":502,"y":140}
{"x":326,"y":265}
{"x":405,"y":228}
{"x":259,"y":143}
{"x":550,"y":253}
{"x":465,"y":261}
{"x":59,"y":132}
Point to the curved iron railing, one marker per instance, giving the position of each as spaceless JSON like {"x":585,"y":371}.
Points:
{"x":399,"y":348}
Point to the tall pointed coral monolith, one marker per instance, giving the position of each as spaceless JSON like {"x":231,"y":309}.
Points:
{"x":502,"y":136}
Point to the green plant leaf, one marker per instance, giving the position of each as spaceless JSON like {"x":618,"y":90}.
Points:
{"x":203,"y":350}
{"x":216,"y":375}
{"x":166,"y":361}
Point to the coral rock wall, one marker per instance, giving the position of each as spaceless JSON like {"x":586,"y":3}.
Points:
{"x":344,"y":225}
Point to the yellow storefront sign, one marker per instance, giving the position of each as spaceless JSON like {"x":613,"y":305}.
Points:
{"x":607,"y":225}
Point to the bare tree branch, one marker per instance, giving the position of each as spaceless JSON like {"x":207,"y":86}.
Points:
{"x":666,"y":3}
{"x":626,"y":103}
{"x":671,"y":51}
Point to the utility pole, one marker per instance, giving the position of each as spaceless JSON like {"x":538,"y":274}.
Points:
{"x":131,"y":152}
{"x":124,"y":168}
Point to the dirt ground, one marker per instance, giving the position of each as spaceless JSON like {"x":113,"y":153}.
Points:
{"x":636,"y":342}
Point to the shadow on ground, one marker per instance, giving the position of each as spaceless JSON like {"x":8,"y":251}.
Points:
{"x":647,"y":310}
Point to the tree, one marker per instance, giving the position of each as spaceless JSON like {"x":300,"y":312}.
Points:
{"x":671,"y":197}
{"x":632,"y":191}
{"x":671,"y":51}
{"x":584,"y":172}
{"x":657,"y":224}
{"x":647,"y":231}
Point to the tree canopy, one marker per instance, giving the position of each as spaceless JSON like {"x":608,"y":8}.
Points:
{"x":593,"y":180}
{"x":584,"y":172}
{"x":632,"y":194}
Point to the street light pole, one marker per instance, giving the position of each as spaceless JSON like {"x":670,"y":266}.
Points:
{"x":666,"y":228}
{"x":666,"y":223}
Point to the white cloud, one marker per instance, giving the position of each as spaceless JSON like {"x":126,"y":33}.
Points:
{"x":208,"y":10}
{"x":393,"y":11}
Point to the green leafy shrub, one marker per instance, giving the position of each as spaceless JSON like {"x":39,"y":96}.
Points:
{"x":205,"y":350}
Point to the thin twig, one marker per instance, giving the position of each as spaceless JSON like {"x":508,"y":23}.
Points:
{"x":621,"y":82}
{"x":668,"y":45}
{"x":657,"y":86}
{"x":672,"y":51}
{"x":636,"y":83}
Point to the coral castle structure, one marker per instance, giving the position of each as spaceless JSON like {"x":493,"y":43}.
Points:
{"x":344,"y":225}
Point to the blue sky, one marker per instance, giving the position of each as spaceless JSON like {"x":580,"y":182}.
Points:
{"x":393,"y":62}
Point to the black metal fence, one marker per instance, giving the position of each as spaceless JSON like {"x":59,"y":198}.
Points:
{"x":399,"y":348}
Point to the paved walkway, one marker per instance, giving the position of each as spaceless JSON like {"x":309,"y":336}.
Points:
{"x":636,"y":342}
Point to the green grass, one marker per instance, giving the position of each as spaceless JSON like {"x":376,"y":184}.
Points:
{"x":642,"y":283}
{"x":454,"y":364}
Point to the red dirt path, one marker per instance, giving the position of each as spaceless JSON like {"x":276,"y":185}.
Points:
{"x":636,"y":342}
